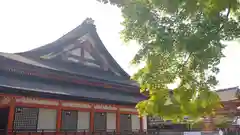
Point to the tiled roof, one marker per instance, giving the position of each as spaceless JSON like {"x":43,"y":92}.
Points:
{"x":228,"y":94}
{"x":75,"y":69}
{"x":90,"y":92}
{"x":31,"y":60}
{"x":24,"y":60}
{"x":33,"y":57}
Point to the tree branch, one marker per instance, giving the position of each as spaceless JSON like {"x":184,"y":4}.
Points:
{"x":185,"y":62}
{"x":228,"y":13}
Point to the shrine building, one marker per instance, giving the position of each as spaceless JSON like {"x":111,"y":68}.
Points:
{"x":230,"y":110}
{"x":71,"y":84}
{"x":230,"y":100}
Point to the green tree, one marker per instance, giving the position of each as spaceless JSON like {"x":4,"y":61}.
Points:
{"x":180,"y":41}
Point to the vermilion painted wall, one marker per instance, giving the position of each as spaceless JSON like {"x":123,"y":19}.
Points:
{"x":113,"y":111}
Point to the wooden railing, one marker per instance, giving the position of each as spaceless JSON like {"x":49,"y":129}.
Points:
{"x":87,"y":132}
{"x":68,"y":132}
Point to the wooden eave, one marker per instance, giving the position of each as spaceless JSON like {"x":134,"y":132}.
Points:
{"x":25,"y":92}
{"x":29,"y":70}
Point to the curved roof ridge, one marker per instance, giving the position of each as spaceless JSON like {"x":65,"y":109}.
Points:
{"x":86,"y":27}
{"x":85,"y":24}
{"x":226,"y":89}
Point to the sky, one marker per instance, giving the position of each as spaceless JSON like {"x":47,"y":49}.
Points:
{"x":28,"y":24}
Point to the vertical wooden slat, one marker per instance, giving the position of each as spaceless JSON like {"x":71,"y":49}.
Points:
{"x":59,"y":117}
{"x":208,"y":124}
{"x":11,"y":114}
{"x":92,"y":119}
{"x":118,"y":120}
{"x":141,"y":123}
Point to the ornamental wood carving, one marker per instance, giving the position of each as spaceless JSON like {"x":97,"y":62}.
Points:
{"x":4,"y":100}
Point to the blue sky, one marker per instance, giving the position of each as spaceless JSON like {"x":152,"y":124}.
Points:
{"x":28,"y":24}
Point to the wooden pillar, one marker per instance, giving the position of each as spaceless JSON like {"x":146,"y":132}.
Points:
{"x":208,"y":124}
{"x":92,"y":119}
{"x":118,"y":121}
{"x":141,"y":124}
{"x":59,"y":119}
{"x":11,"y":114}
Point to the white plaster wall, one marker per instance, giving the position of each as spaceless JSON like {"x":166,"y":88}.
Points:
{"x":111,"y":121}
{"x":83,"y":120}
{"x":135,"y":122}
{"x":47,"y":119}
{"x":144,"y":121}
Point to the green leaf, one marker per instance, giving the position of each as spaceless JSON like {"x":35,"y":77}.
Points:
{"x":180,"y":40}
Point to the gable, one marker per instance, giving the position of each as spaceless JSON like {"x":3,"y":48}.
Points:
{"x":228,"y":94}
{"x":82,"y":46}
{"x":82,"y":51}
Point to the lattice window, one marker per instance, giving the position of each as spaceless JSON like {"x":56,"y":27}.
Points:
{"x":100,"y":121}
{"x":26,"y":118}
{"x":69,"y":120}
{"x":125,"y":122}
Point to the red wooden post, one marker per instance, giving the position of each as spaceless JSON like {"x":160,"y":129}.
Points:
{"x":11,"y":114}
{"x":141,"y":123}
{"x":208,"y":124}
{"x":92,"y":119}
{"x":118,"y":121}
{"x":59,"y":118}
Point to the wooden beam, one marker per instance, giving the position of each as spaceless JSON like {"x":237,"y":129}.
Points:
{"x":82,"y":59}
